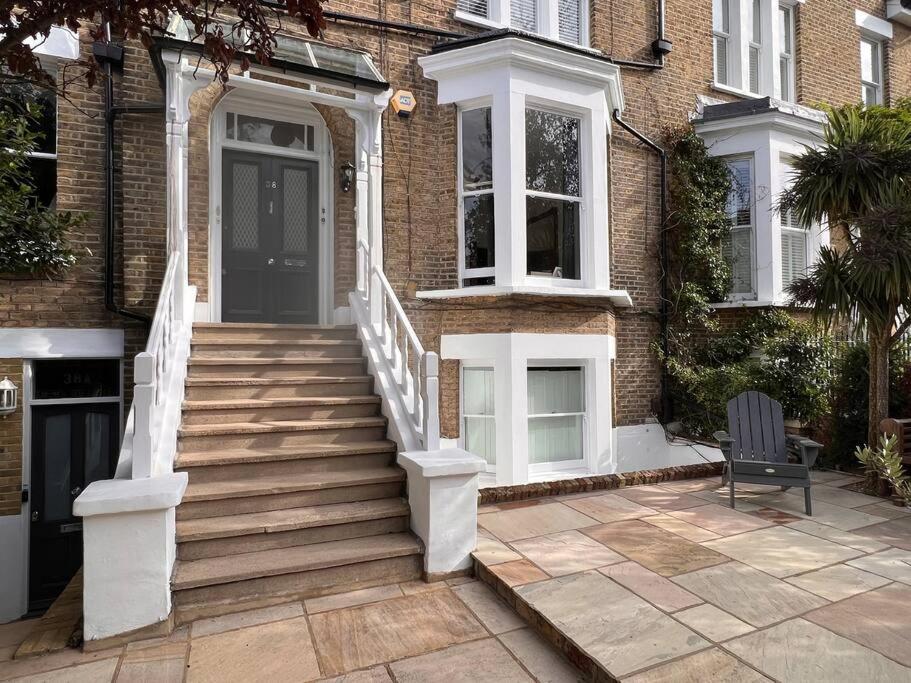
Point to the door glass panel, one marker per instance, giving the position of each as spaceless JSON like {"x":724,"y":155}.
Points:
{"x":57,"y":450}
{"x":277,"y":133}
{"x":76,"y":378}
{"x":97,"y":447}
{"x":296,"y":203}
{"x":245,"y":206}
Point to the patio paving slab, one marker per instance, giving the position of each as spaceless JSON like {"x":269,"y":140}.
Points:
{"x":691,"y":485}
{"x":484,"y":660}
{"x":377,"y":674}
{"x":662,"y":552}
{"x":609,"y":507}
{"x":615,"y":627}
{"x":878,"y":619}
{"x":518,"y":572}
{"x":781,"y":551}
{"x":846,"y":519}
{"x":887,"y":510}
{"x":710,"y":665}
{"x":537,"y":520}
{"x":491,"y":551}
{"x":352,"y":598}
{"x":749,"y":594}
{"x":253,"y":617}
{"x":539,"y":658}
{"x":566,"y":552}
{"x":659,"y":498}
{"x":94,"y":672}
{"x":721,"y":496}
{"x":835,"y":496}
{"x":495,"y":614}
{"x":713,"y":623}
{"x":689,"y":531}
{"x":647,"y":584}
{"x":798,"y":650}
{"x":822,"y":476}
{"x":160,"y":664}
{"x":228,"y":656}
{"x":720,"y":520}
{"x":774,"y":516}
{"x":894,"y":564}
{"x":838,"y":582}
{"x":830,"y":533}
{"x":895,"y":532}
{"x":357,"y":637}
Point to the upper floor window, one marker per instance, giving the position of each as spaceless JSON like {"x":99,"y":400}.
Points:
{"x":871,"y":71}
{"x":564,"y":20}
{"x":42,"y":160}
{"x":745,"y":36}
{"x":553,"y":194}
{"x":476,"y":190}
{"x":738,"y":246}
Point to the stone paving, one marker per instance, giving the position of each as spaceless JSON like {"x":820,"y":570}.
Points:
{"x":667,"y":583}
{"x":456,"y":631}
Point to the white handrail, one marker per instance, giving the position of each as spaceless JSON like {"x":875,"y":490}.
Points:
{"x":415,"y":371}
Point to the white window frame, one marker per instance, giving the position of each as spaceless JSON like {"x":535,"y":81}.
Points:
{"x":879,"y":64}
{"x":463,"y":440}
{"x":547,"y":14}
{"x":721,"y":34}
{"x":580,"y":463}
{"x":751,"y":295}
{"x":787,"y":57}
{"x":464,"y":272}
{"x":756,"y":46}
{"x":580,"y":200}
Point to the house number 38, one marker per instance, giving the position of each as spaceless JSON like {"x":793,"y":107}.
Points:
{"x":271,"y":184}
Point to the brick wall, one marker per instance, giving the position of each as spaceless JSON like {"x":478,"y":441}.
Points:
{"x":11,"y":445}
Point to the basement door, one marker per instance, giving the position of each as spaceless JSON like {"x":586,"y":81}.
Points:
{"x":270,"y":243}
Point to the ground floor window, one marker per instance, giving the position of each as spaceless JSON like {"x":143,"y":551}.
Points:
{"x":556,"y":415}
{"x":478,"y":416}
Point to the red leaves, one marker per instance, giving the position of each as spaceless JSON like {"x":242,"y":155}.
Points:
{"x":254,"y":27}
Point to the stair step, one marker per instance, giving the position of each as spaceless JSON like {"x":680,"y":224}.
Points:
{"x":244,"y":331}
{"x":307,"y":558}
{"x":276,"y":521}
{"x":244,"y":456}
{"x":217,"y":388}
{"x":264,"y":486}
{"x":281,"y":433}
{"x":275,"y":348}
{"x":259,"y":410}
{"x":276,"y":367}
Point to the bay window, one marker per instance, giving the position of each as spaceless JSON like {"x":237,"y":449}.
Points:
{"x":476,"y":190}
{"x":556,"y":415}
{"x":479,"y":426}
{"x":553,"y":194}
{"x":871,"y":71}
{"x":738,"y":245}
{"x":563,"y":20}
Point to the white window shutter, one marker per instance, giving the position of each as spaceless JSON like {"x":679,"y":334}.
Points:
{"x":570,"y":19}
{"x":478,"y":8}
{"x":721,"y":60}
{"x":754,"y":70}
{"x":793,"y":256}
{"x":523,"y":15}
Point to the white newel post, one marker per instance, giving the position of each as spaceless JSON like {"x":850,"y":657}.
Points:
{"x":143,"y":405}
{"x":430,"y":400}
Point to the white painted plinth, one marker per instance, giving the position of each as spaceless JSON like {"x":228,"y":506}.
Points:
{"x":443,"y":495}
{"x":129,"y":552}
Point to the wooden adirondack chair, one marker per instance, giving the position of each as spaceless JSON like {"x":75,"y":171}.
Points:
{"x":756,"y":449}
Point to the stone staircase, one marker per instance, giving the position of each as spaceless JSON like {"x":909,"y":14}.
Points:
{"x":293,"y":489}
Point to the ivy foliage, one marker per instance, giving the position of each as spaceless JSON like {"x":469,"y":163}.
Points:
{"x":32,"y":237}
{"x":766,"y":350}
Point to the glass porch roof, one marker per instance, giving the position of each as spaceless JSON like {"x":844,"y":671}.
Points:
{"x":344,"y":66}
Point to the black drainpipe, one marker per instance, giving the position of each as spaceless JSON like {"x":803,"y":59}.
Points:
{"x":663,"y":257}
{"x":108,"y":54}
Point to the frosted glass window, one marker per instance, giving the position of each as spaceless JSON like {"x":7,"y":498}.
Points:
{"x":479,"y":421}
{"x":556,"y":415}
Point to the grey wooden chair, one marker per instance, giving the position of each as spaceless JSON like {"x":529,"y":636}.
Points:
{"x":756,"y":449}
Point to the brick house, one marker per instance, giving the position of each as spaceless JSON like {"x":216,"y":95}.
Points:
{"x":484,"y":275}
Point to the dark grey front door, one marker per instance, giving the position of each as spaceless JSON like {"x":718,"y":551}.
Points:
{"x":270,"y":242}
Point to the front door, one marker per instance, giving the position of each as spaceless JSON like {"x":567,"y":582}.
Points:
{"x":270,"y":240}
{"x":72,"y":446}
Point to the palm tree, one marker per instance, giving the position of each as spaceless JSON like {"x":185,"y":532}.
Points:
{"x":859,"y":180}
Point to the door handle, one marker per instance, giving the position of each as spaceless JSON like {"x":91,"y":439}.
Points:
{"x":75,"y":491}
{"x":270,"y":262}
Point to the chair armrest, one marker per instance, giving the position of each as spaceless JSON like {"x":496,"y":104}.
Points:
{"x":725,"y":443}
{"x":807,"y":449}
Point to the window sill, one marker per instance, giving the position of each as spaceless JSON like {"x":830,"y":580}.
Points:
{"x":618,"y":297}
{"x":475,"y":20}
{"x":731,"y":90}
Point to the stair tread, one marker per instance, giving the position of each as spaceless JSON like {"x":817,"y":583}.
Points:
{"x":239,"y":403}
{"x":275,"y":521}
{"x":287,"y":483}
{"x":230,"y":568}
{"x":269,"y":326}
{"x":274,"y":381}
{"x":319,"y":360}
{"x":273,"y":426}
{"x":275,"y":342}
{"x":249,"y":455}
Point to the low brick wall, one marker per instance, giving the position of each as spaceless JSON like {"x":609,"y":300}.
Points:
{"x":603,"y":482}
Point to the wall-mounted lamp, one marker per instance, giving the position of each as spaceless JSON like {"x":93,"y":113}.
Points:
{"x":9,"y":393}
{"x":346,"y":176}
